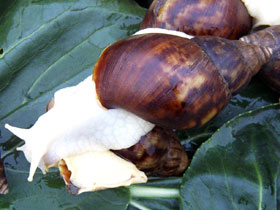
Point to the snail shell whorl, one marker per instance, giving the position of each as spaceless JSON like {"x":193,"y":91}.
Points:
{"x":235,"y":60}
{"x":167,"y":80}
{"x":159,"y":153}
{"x":269,"y":37}
{"x":223,"y":18}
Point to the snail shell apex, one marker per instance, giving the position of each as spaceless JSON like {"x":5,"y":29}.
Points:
{"x":169,"y":80}
{"x":269,"y":37}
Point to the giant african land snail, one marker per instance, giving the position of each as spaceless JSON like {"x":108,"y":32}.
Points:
{"x":225,"y":18}
{"x":158,"y":153}
{"x":143,"y":81}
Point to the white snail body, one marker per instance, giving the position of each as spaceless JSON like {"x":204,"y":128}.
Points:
{"x":78,"y":124}
{"x":264,"y":12}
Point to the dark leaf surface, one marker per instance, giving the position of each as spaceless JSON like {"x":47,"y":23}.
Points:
{"x":238,"y":167}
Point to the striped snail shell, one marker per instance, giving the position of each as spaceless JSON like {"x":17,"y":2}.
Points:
{"x":175,"y":82}
{"x":3,"y":181}
{"x":223,"y":18}
{"x":269,"y":37}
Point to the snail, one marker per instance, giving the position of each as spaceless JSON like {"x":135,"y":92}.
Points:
{"x":224,"y":18}
{"x":146,"y":80}
{"x":77,"y":129}
{"x":269,"y":37}
{"x":3,"y":181}
{"x":158,"y":153}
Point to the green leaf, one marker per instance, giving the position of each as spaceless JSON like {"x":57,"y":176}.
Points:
{"x":48,"y":192}
{"x":47,"y":45}
{"x":238,"y":167}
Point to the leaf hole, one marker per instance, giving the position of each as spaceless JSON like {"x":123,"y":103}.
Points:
{"x":1,"y":51}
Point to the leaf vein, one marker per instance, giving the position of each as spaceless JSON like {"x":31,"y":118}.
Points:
{"x":54,"y":63}
{"x":227,"y":182}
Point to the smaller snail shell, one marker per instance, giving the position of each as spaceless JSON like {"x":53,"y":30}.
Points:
{"x":158,"y":153}
{"x":223,"y":18}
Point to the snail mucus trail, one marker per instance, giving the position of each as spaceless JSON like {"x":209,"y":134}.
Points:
{"x":148,"y":79}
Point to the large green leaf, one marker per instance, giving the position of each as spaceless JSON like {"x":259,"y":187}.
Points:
{"x":48,"y":192}
{"x":238,"y":167}
{"x":48,"y":45}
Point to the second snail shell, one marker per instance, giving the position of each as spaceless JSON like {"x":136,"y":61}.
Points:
{"x":224,"y":18}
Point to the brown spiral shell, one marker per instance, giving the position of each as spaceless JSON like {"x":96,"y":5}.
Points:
{"x":172,"y":81}
{"x":224,"y":18}
{"x":3,"y":181}
{"x":269,"y":37}
{"x":159,"y":153}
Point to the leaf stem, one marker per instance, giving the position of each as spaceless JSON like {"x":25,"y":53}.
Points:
{"x":153,"y":192}
{"x":198,"y":136}
{"x":11,"y":150}
{"x":138,"y":205}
